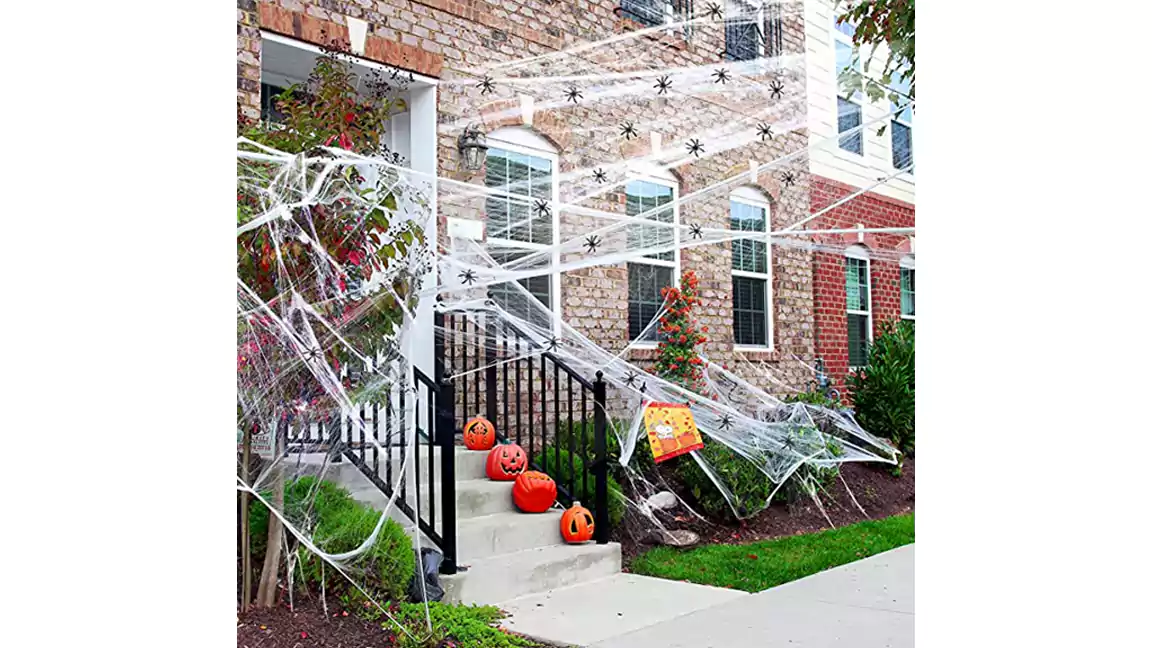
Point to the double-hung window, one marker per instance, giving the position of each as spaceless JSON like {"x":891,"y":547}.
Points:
{"x":901,"y":123}
{"x":646,"y":276}
{"x":857,"y":281}
{"x":752,"y":28}
{"x":849,"y":105}
{"x":751,"y":274}
{"x":908,"y":288}
{"x":518,"y":226}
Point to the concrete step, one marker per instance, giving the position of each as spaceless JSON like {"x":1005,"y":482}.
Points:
{"x":504,"y":533}
{"x":503,"y":577}
{"x":469,"y":463}
{"x":589,"y":612}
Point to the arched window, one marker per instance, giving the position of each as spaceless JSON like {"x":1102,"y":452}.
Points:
{"x":857,"y":288}
{"x":908,"y":287}
{"x":752,"y":317}
{"x":652,"y":188}
{"x":522,"y":166}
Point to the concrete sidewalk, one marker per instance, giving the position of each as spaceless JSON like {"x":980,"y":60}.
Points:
{"x":865,"y":604}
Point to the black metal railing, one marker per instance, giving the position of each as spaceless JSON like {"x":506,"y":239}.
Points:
{"x":374,"y":439}
{"x":533,"y":398}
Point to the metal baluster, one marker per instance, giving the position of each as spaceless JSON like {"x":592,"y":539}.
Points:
{"x":403,"y":447}
{"x":519,"y":402}
{"x":571,"y":444}
{"x":600,"y":418}
{"x":556,"y":421}
{"x":543,"y":412}
{"x":531,"y":409}
{"x":504,"y":424}
{"x":429,"y":432}
{"x":584,"y":439}
{"x":388,"y":418}
{"x":375,"y":437}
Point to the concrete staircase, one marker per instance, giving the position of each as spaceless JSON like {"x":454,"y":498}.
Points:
{"x":502,"y":553}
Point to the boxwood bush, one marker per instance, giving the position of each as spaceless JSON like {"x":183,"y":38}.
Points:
{"x":750,"y":487}
{"x":884,"y":391}
{"x":339,"y":524}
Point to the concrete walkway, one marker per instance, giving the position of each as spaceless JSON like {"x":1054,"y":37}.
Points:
{"x":865,"y":604}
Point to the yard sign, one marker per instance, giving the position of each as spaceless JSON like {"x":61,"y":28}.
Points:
{"x":671,"y":430}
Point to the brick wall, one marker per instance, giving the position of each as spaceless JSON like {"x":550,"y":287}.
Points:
{"x":872,"y":211}
{"x":451,"y":39}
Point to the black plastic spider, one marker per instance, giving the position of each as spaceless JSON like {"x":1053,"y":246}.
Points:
{"x":662,"y":85}
{"x":468,"y":276}
{"x":776,"y":88}
{"x":789,"y":442}
{"x":764,"y":130}
{"x":721,"y":76}
{"x":552,"y":344}
{"x":695,"y":147}
{"x":486,"y":85}
{"x":725,"y":422}
{"x":599,"y":176}
{"x":542,"y":209}
{"x":630,"y":378}
{"x":643,"y":388}
{"x":574,"y":94}
{"x":592,"y":242}
{"x":696,"y":231}
{"x":313,"y":353}
{"x":628,"y":131}
{"x":714,"y":11}
{"x":788,"y":178}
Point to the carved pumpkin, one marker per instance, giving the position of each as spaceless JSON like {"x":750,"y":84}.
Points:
{"x":479,"y":434}
{"x":577,"y":525}
{"x":534,"y":492}
{"x":505,"y":462}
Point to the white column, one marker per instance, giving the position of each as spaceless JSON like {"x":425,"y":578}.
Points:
{"x":422,"y":156}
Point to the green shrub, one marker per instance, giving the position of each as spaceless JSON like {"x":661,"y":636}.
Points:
{"x":641,"y":456}
{"x":466,"y":625}
{"x":558,"y":470}
{"x":749,"y":486}
{"x":339,"y":524}
{"x":811,"y":398}
{"x":884,"y":391}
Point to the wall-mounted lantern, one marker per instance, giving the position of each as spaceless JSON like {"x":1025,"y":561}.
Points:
{"x":473,"y":147}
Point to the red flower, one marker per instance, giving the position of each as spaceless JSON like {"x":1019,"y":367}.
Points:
{"x":349,"y":117}
{"x":683,"y":339}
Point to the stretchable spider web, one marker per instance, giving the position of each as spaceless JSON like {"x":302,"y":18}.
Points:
{"x":624,"y":111}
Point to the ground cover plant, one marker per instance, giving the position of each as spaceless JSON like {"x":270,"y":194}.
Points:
{"x":759,"y":565}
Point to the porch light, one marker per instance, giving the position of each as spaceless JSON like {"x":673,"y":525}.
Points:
{"x":472,"y":146}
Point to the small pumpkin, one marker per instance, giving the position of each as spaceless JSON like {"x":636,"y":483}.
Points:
{"x":505,"y":462}
{"x":534,"y":492}
{"x":479,"y":434}
{"x":577,"y":525}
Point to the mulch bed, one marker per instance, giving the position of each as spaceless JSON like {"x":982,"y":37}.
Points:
{"x":878,"y":492}
{"x":308,"y":626}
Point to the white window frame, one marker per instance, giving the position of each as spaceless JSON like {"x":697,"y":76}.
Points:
{"x":860,"y":252}
{"x":840,"y":37}
{"x":731,"y":7}
{"x":907,"y":263}
{"x":752,"y":198}
{"x":527,"y":142}
{"x":907,"y":122}
{"x":667,"y":181}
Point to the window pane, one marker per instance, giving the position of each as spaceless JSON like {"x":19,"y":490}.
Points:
{"x":644,"y":300}
{"x":907,"y":292}
{"x":513,"y":301}
{"x":901,"y":146}
{"x":847,"y":28}
{"x":773,"y":30}
{"x":848,"y":117}
{"x":856,"y":283}
{"x":857,"y":340}
{"x":750,"y":311}
{"x":749,"y":255}
{"x":648,"y":12}
{"x":268,"y":111}
{"x":641,"y":196}
{"x":521,"y":175}
{"x":742,"y":33}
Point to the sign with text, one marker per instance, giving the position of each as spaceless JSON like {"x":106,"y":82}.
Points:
{"x":671,"y":430}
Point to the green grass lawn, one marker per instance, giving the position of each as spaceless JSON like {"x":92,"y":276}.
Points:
{"x":760,"y":565}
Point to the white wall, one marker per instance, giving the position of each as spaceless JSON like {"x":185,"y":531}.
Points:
{"x":831,"y":161}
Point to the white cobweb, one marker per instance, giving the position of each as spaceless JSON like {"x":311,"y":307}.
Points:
{"x":327,"y":347}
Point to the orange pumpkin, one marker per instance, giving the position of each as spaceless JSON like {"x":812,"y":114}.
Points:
{"x":479,"y":434}
{"x":577,"y":525}
{"x":505,"y":462}
{"x":534,"y":492}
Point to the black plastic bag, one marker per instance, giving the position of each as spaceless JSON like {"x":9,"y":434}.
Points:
{"x":428,"y":568}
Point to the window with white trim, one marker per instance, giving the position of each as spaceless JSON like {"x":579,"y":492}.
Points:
{"x":857,"y":287}
{"x":654,"y":13}
{"x":908,"y":288}
{"x":901,"y":123}
{"x":751,"y":271}
{"x":521,"y":168}
{"x":752,"y":28}
{"x":849,"y":106}
{"x":646,"y":276}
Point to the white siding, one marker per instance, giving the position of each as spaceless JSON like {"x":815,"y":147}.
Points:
{"x":831,"y":161}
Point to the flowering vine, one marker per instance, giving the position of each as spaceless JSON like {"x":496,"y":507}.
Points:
{"x":678,"y":360}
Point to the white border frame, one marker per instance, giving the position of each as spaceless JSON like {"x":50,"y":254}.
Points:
{"x":553,"y":156}
{"x":860,"y":252}
{"x":840,"y":37}
{"x":908,"y":263}
{"x":758,"y":202}
{"x":675,"y":263}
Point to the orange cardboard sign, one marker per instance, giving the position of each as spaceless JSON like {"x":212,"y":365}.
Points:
{"x":671,"y":430}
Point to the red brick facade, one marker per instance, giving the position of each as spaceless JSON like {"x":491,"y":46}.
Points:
{"x":885,"y":250}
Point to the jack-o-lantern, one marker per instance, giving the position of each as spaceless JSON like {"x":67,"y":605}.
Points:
{"x":505,"y":462}
{"x":534,"y":492}
{"x":479,"y":434}
{"x":577,"y":525}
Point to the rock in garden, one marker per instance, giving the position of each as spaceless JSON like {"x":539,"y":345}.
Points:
{"x":679,"y":538}
{"x":663,"y":500}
